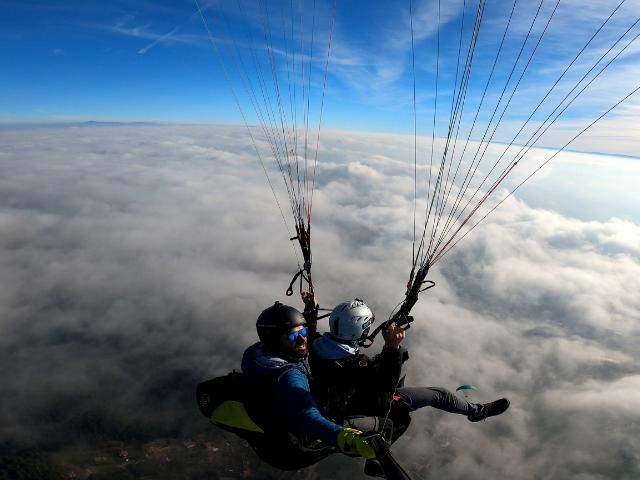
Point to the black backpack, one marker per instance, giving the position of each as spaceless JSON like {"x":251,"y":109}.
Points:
{"x":222,"y":401}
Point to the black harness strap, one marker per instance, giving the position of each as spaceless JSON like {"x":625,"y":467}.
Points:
{"x":304,"y":274}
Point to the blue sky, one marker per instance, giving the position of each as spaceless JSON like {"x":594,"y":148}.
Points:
{"x":143,"y":60}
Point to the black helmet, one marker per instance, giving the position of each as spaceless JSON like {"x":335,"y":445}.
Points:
{"x":276,"y":320}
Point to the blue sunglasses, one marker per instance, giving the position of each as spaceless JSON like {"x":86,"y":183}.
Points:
{"x":293,"y":337}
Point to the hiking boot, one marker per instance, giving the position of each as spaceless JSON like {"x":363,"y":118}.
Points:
{"x":372,"y":468}
{"x":487,"y":410}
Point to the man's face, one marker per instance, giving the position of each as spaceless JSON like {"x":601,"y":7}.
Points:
{"x":295,"y":341}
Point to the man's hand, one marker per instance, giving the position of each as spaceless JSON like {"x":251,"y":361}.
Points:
{"x":309,"y":300}
{"x":393,"y":336}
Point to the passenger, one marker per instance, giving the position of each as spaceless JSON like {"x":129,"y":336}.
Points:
{"x":369,"y":392}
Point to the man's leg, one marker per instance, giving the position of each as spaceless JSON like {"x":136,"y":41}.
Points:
{"x":385,"y":426}
{"x":366,"y":424}
{"x":440,"y":398}
{"x":443,"y":399}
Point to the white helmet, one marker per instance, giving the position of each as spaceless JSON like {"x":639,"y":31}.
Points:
{"x":350,"y":321}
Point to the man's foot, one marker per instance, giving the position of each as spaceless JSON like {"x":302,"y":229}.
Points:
{"x":372,"y":468}
{"x":490,"y":410}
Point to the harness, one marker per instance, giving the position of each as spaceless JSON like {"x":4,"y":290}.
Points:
{"x":222,"y":401}
{"x":231,"y":402}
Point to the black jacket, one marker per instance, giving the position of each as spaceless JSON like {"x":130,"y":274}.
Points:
{"x":355,"y":384}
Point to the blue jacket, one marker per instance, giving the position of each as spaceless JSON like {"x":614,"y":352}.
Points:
{"x":285,"y":402}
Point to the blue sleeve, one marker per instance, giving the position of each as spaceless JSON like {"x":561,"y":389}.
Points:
{"x":298,"y":406}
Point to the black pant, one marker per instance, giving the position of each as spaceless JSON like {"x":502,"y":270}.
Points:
{"x":395,"y":421}
{"x":436,"y":397}
{"x":392,"y":425}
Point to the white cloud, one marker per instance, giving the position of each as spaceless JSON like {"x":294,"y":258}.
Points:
{"x":622,"y":395}
{"x":147,"y":32}
{"x":135,"y":259}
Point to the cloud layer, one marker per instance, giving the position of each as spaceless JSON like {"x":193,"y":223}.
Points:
{"x":135,"y":260}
